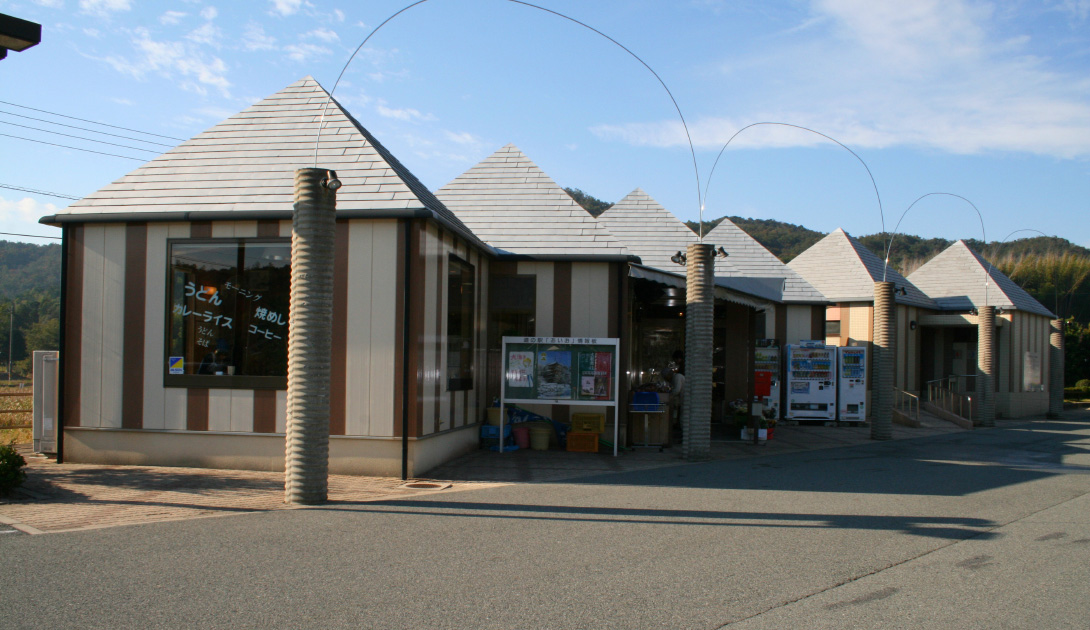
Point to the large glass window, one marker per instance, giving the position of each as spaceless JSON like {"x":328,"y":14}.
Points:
{"x":461,"y":290}
{"x":228,"y":313}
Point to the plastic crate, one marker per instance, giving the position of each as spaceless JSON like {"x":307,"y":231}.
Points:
{"x":583,"y":442}
{"x":489,"y":431}
{"x":588,"y":422}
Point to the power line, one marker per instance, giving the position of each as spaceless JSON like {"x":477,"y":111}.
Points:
{"x":31,"y":235}
{"x":105,"y":133}
{"x":65,"y":146}
{"x":93,"y":122}
{"x":39,"y":192}
{"x":68,"y":135}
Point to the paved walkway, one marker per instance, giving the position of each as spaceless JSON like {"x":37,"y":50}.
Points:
{"x":68,"y":497}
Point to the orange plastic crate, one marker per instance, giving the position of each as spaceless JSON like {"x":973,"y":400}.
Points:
{"x":588,"y":422}
{"x":583,"y":442}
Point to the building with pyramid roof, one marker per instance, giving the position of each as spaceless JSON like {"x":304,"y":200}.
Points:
{"x":960,"y":281}
{"x":936,"y":320}
{"x":176,"y":301}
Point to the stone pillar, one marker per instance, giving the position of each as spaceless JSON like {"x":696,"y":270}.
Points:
{"x":884,"y":348}
{"x":1056,"y":369}
{"x":696,"y":410}
{"x":306,"y":470}
{"x":985,"y":365}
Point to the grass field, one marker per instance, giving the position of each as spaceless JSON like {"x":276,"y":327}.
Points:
{"x":20,"y":404}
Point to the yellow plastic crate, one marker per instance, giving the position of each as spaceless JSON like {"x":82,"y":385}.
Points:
{"x":583,"y":442}
{"x":588,"y":422}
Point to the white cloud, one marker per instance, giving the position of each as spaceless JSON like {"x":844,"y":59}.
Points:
{"x":92,"y":32}
{"x":401,"y":114}
{"x":338,"y":15}
{"x":208,"y":34}
{"x":306,"y":52}
{"x":172,"y":17}
{"x":254,"y":38}
{"x":944,"y":75}
{"x":25,"y":210}
{"x":209,"y":13}
{"x":175,"y":60}
{"x":463,"y":137}
{"x":104,"y":7}
{"x":286,"y":7}
{"x":1080,"y":9}
{"x":323,"y":34}
{"x":52,"y":4}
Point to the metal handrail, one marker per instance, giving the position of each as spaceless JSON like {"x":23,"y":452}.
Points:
{"x":948,"y":400}
{"x":907,"y":403}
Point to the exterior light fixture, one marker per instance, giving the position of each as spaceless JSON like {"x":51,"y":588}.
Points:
{"x":331,"y":182}
{"x":679,"y":258}
{"x":912,"y":325}
{"x":900,"y":291}
{"x":722,"y":253}
{"x":973,"y":311}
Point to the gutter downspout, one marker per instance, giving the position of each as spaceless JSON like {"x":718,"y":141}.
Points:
{"x":405,"y":353}
{"x":63,"y":350}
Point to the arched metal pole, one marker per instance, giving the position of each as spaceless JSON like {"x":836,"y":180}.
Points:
{"x":708,"y":183}
{"x":893,"y":235}
{"x":688,"y":136}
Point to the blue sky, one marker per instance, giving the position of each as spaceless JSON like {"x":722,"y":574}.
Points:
{"x":986,"y":100}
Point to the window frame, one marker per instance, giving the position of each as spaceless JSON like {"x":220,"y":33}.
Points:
{"x":212,"y":381}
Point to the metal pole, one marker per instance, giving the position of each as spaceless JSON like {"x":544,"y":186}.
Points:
{"x":306,"y":470}
{"x":11,"y":328}
{"x":696,"y":409}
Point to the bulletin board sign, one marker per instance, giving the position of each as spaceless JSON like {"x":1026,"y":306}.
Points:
{"x":560,"y":370}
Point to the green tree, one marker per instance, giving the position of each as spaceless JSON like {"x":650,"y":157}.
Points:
{"x":593,"y":205}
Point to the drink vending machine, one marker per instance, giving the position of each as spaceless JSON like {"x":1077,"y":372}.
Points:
{"x":810,"y":370}
{"x":852,"y":394}
{"x":766,"y":365}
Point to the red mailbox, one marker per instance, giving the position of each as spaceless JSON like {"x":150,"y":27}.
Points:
{"x":762,"y":383}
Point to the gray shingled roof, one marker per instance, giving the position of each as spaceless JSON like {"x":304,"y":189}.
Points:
{"x":956,"y":277}
{"x":749,"y":259}
{"x":247,"y":164}
{"x":647,"y":229}
{"x":844,"y":270}
{"x":514,"y":206}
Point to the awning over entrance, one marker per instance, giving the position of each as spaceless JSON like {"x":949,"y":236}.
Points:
{"x":721,"y":291}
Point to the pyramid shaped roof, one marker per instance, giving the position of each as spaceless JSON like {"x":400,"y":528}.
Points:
{"x":246,"y":165}
{"x":749,"y":259}
{"x":647,"y":229}
{"x":514,"y":206}
{"x":958,"y":279}
{"x":845,"y":271}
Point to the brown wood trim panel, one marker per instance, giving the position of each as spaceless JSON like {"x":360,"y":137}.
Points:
{"x":196,"y":409}
{"x":817,"y":322}
{"x":338,"y":357}
{"x":562,"y":299}
{"x":73,"y":327}
{"x":440,"y":308}
{"x":268,"y":228}
{"x":781,"y":324}
{"x":132,"y":352}
{"x":264,"y":411}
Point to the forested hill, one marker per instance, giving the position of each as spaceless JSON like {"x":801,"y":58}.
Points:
{"x":26,"y":267}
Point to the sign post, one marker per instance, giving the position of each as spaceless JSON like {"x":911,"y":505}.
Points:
{"x":560,"y":371}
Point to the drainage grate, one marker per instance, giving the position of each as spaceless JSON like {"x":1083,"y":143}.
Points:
{"x":425,"y":485}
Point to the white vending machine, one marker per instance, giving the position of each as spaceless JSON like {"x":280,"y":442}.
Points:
{"x":767,"y":359}
{"x":852,"y":384}
{"x":811,"y":381}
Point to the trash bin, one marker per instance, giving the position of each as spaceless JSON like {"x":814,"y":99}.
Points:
{"x":539,"y":438}
{"x":522,"y":436}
